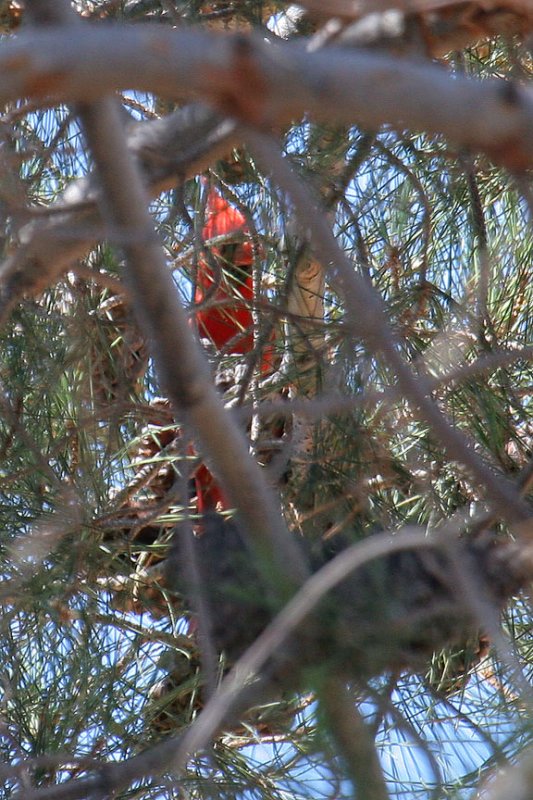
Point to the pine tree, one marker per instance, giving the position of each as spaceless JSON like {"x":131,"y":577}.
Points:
{"x":265,"y":389}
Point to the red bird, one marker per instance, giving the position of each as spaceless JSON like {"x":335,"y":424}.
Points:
{"x":228,"y":318}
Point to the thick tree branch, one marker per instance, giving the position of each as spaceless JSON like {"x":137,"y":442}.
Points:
{"x":270,"y":84}
{"x":437,"y":32}
{"x":354,"y":739}
{"x":182,"y":366}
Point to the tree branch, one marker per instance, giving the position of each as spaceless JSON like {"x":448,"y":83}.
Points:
{"x":354,"y":739}
{"x":242,"y":76}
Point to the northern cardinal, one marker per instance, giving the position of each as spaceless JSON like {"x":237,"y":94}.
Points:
{"x":228,"y":318}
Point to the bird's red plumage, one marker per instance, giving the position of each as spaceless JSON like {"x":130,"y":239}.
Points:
{"x":227,"y":320}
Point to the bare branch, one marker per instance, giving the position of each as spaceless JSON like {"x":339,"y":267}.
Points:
{"x":174,"y":754}
{"x":355,"y":9}
{"x":515,"y":781}
{"x":242,"y":76}
{"x":182,"y":365}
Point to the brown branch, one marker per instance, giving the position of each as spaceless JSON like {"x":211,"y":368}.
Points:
{"x":432,"y":27}
{"x":173,"y":754}
{"x":182,"y":366}
{"x":335,"y":403}
{"x":355,"y":9}
{"x":514,"y":781}
{"x":338,"y":83}
{"x":242,"y":76}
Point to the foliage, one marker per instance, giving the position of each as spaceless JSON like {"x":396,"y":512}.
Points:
{"x":99,"y":645}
